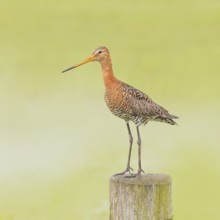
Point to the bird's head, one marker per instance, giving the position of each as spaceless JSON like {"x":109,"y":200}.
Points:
{"x":98,"y":54}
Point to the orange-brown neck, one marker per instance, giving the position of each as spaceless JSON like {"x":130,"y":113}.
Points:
{"x":107,"y":72}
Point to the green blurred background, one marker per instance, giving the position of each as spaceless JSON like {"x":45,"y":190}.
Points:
{"x":60,"y":144}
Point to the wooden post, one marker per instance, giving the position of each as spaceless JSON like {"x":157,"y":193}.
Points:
{"x":147,"y":197}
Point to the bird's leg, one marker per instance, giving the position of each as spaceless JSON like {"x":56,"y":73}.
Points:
{"x":128,"y":168}
{"x":139,"y":156}
{"x":139,"y":152}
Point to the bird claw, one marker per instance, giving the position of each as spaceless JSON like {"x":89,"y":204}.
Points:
{"x":140,"y":171}
{"x":130,"y":168}
{"x":127,"y":171}
{"x":138,"y":174}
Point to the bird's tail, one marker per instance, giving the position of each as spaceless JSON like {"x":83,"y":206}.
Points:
{"x":173,"y":116}
{"x":168,"y":119}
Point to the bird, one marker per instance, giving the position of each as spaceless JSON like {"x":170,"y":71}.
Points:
{"x":127,"y":103}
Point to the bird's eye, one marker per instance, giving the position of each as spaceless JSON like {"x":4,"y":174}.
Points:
{"x":100,"y":52}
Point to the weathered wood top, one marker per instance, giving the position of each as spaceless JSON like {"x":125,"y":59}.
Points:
{"x":145,"y":197}
{"x":146,"y":179}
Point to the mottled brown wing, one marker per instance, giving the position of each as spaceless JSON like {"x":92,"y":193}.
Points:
{"x":142,"y":105}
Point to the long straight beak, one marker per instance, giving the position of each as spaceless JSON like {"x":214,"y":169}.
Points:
{"x":84,"y":62}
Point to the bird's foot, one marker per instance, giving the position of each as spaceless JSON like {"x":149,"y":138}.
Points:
{"x":138,"y":174}
{"x":127,"y":172}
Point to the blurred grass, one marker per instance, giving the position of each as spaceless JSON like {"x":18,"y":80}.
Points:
{"x":57,"y":152}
